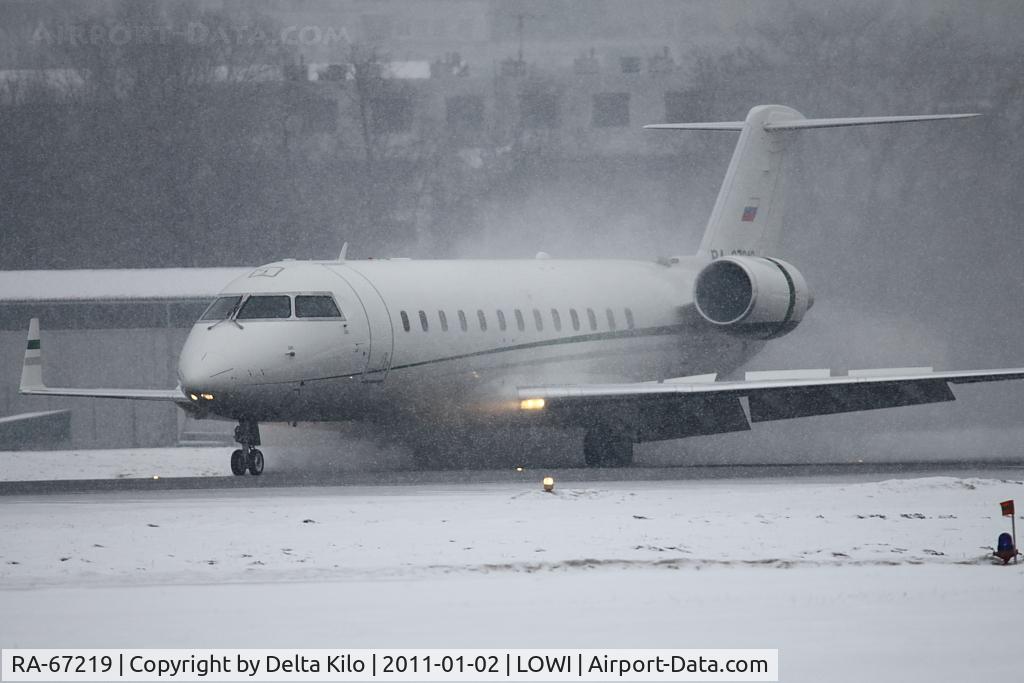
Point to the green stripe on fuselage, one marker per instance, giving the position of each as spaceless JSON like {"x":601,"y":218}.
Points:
{"x":33,"y":345}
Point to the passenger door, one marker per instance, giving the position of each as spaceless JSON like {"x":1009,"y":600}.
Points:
{"x":381,"y":338}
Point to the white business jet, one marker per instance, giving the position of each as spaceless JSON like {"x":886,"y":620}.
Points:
{"x":626,"y":351}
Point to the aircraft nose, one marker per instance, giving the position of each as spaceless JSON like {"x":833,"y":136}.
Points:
{"x":200,"y":370}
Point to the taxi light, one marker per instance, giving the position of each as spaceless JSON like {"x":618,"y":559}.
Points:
{"x":208,"y":397}
{"x":548,"y":484}
{"x":531,"y":404}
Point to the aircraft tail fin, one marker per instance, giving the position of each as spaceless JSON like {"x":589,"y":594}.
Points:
{"x":747,"y":216}
{"x":32,"y":369}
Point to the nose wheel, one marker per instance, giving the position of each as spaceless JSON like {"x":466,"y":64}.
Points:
{"x":248,"y":457}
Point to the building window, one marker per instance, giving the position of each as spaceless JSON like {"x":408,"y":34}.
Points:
{"x":592,"y":319}
{"x":629,"y":320}
{"x":462,"y":321}
{"x":537,"y":320}
{"x":611,"y":109}
{"x":465,"y":113}
{"x":556,"y":319}
{"x":574,"y":316}
{"x":501,"y":321}
{"x":611,"y":319}
{"x":539,"y":109}
{"x":444,"y":320}
{"x":677,"y":107}
{"x":483,"y":320}
{"x":520,"y":323}
{"x":423,"y":321}
{"x":405,"y":321}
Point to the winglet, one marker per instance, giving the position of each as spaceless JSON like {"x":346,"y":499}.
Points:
{"x":32,"y":370}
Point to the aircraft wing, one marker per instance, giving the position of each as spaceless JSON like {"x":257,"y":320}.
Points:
{"x":32,"y":379}
{"x":700,"y":405}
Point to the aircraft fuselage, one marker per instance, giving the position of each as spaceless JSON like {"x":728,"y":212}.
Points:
{"x":437,"y":338}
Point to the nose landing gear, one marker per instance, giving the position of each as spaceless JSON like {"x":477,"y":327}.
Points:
{"x":248,"y":457}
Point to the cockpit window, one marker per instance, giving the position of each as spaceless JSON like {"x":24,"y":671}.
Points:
{"x":221,"y":308}
{"x":316,"y":306}
{"x":265,"y":307}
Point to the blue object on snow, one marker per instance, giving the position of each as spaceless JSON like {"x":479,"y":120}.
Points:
{"x":1005,"y":544}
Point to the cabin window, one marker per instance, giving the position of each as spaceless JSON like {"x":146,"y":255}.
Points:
{"x":592,"y":319}
{"x":263,"y":307}
{"x":501,"y":321}
{"x":611,"y":319}
{"x":405,"y":321}
{"x":483,"y":320}
{"x":444,"y":320}
{"x":575,"y":317}
{"x":537,"y":320}
{"x":462,"y":321}
{"x":423,"y":321}
{"x":520,"y":323}
{"x":316,"y":306}
{"x":556,"y":319}
{"x":221,"y":308}
{"x":630,"y":324}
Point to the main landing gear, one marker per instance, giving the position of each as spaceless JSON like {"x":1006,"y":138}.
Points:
{"x":247,"y":433}
{"x":605,"y":447}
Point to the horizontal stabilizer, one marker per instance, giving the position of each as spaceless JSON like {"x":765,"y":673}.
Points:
{"x":714,"y":125}
{"x":801,"y":124}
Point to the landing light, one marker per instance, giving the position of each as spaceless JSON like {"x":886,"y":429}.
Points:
{"x":193,"y":397}
{"x":548,"y":484}
{"x":208,"y":397}
{"x":531,"y":404}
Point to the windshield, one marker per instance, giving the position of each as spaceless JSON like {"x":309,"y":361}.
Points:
{"x":266,"y":307}
{"x":316,"y":306}
{"x":221,"y":308}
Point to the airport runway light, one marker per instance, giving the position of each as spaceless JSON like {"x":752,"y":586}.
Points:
{"x":531,"y":404}
{"x":549,"y":484}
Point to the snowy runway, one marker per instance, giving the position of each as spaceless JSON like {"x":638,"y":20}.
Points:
{"x":886,"y":579}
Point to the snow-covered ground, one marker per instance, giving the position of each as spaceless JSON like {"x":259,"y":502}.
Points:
{"x":885,"y":580}
{"x":113,"y":464}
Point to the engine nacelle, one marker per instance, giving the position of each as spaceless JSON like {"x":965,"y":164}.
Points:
{"x":752,"y":296}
